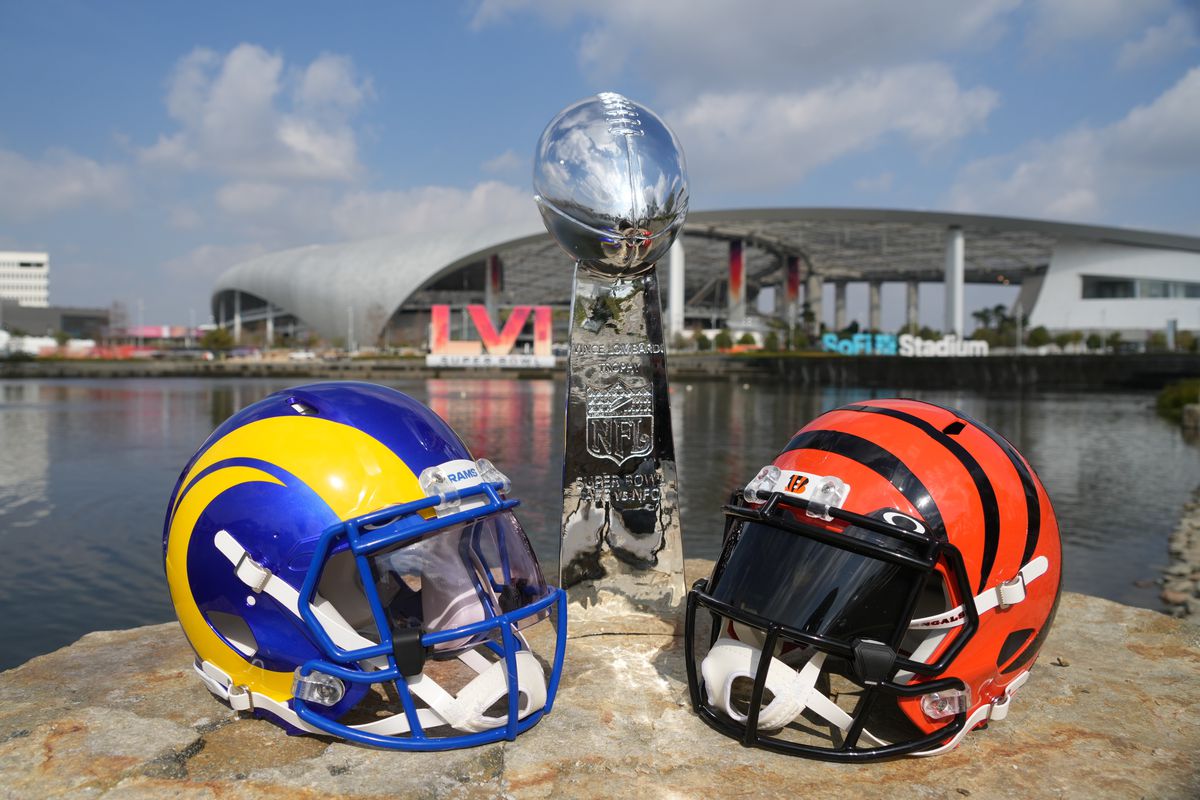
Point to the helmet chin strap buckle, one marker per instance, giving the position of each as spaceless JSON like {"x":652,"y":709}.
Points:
{"x":1011,"y":592}
{"x":251,"y":573}
{"x":408,"y":651}
{"x":873,"y":661}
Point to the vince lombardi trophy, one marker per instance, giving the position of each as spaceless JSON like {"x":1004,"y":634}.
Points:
{"x":611,"y":185}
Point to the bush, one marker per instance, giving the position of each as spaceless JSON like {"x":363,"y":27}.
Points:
{"x":1094,"y":342}
{"x":1038,"y":337}
{"x":702,"y":341}
{"x":1175,"y":396}
{"x":723,"y":340}
{"x":771,"y":343}
{"x":747,"y":338}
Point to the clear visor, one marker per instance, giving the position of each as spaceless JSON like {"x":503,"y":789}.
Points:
{"x":452,"y":578}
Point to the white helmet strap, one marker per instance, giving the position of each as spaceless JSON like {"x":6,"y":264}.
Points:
{"x":794,"y":692}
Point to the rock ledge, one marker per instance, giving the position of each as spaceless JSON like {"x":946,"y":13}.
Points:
{"x":1112,"y":710}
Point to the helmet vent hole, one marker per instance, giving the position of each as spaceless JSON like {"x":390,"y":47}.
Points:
{"x":302,"y":408}
{"x":234,"y":630}
{"x":954,"y":428}
{"x":1012,"y":644}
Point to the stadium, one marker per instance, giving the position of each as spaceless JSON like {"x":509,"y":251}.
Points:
{"x":745,"y":270}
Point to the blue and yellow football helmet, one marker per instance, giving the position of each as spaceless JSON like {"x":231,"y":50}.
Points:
{"x":342,"y":566}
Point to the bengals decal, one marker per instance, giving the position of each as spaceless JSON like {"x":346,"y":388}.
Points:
{"x":797,"y":483}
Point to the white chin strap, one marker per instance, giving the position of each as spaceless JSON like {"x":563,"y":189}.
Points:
{"x":465,"y":711}
{"x":794,"y":692}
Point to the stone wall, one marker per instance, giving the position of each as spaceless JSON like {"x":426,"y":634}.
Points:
{"x":1112,"y":710}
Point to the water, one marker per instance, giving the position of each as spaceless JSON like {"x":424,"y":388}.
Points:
{"x":86,"y":468}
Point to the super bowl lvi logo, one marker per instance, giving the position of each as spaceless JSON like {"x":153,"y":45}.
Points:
{"x":620,"y":421}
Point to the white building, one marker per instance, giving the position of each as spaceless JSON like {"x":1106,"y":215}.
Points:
{"x":1101,"y":286}
{"x":25,"y":277}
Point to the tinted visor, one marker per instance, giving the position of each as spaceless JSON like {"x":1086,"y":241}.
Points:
{"x":451,"y":578}
{"x":819,"y":589}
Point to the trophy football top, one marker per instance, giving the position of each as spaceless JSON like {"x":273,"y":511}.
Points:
{"x":611,"y":184}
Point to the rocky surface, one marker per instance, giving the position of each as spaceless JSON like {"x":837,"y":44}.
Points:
{"x":1112,"y":710}
{"x":1181,"y":577}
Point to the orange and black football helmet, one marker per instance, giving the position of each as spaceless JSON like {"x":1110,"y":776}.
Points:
{"x":883,"y":588}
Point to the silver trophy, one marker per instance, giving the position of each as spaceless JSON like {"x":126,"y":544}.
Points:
{"x":611,"y":186}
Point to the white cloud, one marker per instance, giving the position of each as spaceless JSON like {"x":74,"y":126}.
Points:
{"x":57,"y":181}
{"x":755,"y":140}
{"x":1083,"y":173}
{"x":876,"y":184}
{"x":433,"y":210}
{"x":683,"y":47}
{"x":507,"y":162}
{"x":243,"y":116}
{"x":1055,"y":21}
{"x":185,"y":218}
{"x":1164,"y":135}
{"x":249,"y":198}
{"x":203,"y":264}
{"x":1159,"y":42}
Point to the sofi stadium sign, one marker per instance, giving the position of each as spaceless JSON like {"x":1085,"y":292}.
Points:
{"x":887,"y":344}
{"x":493,"y":348}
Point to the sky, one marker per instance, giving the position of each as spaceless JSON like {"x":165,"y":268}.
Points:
{"x":150,"y":146}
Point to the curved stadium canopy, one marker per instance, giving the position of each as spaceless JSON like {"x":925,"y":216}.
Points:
{"x":357,"y":288}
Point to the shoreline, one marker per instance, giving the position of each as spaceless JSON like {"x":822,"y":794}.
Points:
{"x":1181,"y":577}
{"x":1056,"y":372}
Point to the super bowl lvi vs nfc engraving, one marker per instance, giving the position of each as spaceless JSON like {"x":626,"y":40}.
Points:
{"x":612,"y":189}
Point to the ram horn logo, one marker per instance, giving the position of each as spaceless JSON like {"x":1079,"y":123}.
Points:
{"x":620,"y":422}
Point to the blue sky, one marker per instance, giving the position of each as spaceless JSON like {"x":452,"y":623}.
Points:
{"x":149,"y":146}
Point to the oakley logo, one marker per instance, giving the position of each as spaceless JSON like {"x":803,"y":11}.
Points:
{"x":903,"y":521}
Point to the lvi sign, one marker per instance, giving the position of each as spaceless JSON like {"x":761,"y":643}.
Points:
{"x":494,"y":348}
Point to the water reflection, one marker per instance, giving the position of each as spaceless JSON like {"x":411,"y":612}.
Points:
{"x":86,"y":468}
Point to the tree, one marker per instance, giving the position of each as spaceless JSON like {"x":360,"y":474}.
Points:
{"x":984,"y":317}
{"x":723,"y":340}
{"x":1113,"y":341}
{"x":219,"y":340}
{"x":1094,"y":342}
{"x":1038,"y":337}
{"x":702,"y":341}
{"x":771,"y":343}
{"x":747,"y":338}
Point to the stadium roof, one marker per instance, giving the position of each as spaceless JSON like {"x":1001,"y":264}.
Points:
{"x":325,"y":284}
